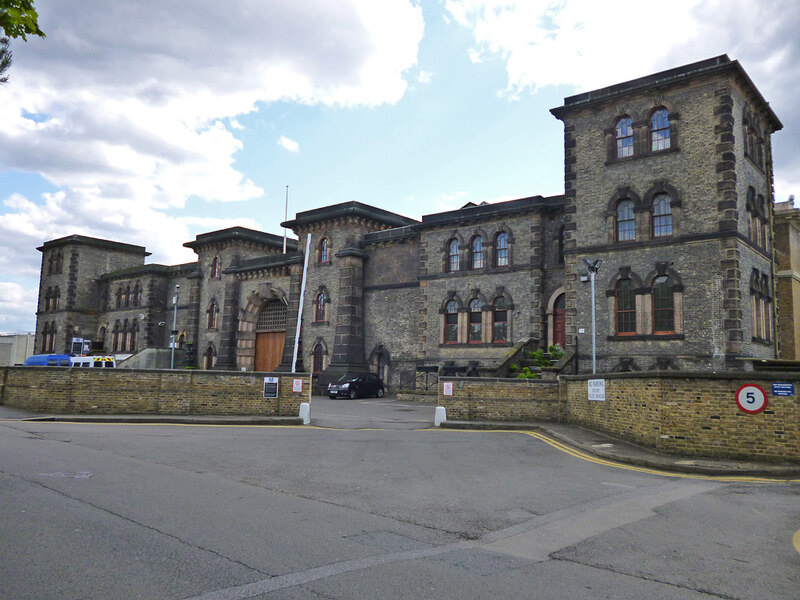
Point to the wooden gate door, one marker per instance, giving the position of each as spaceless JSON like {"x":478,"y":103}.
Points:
{"x":269,"y":350}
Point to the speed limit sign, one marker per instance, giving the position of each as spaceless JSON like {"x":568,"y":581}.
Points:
{"x":751,"y":398}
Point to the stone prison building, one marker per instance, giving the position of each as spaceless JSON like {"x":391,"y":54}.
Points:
{"x":667,"y":180}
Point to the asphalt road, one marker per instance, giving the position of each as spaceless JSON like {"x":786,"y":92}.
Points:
{"x":370,"y":503}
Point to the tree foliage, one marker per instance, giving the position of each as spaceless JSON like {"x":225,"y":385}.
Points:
{"x":18,"y":19}
{"x":5,"y":59}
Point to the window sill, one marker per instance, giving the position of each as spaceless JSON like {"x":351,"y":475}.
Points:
{"x":761,"y":341}
{"x":476,"y":345}
{"x":649,"y":154}
{"x":320,"y":322}
{"x":647,"y":337}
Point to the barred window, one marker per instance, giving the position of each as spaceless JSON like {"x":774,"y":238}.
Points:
{"x":500,"y":320}
{"x":475,"y":321}
{"x":659,"y":130}
{"x":476,"y":252}
{"x":501,"y":245}
{"x":324,"y":251}
{"x":624,"y":133}
{"x":212,"y":315}
{"x":626,"y":221}
{"x":216,"y":267}
{"x":663,"y":306}
{"x":626,"y":307}
{"x":452,"y":256}
{"x":662,"y":216}
{"x":451,"y":323}
{"x":320,"y":308}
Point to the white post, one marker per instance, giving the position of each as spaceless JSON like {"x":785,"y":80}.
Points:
{"x":594,"y":343}
{"x":285,"y":218}
{"x":300,"y":308}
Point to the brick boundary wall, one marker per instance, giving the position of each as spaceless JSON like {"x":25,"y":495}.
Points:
{"x":685,"y":413}
{"x":692,"y":413}
{"x":495,"y":399}
{"x":61,"y":390}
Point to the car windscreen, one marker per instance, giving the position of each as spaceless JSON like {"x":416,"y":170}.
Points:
{"x":348,"y":377}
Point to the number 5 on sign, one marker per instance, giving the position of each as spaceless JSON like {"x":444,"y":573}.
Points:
{"x":751,"y":398}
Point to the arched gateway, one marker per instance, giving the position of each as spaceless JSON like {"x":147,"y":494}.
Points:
{"x":262,"y":330}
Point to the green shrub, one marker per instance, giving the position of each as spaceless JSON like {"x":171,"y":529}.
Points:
{"x":513,"y":367}
{"x":555,"y":351}
{"x":527,"y":374}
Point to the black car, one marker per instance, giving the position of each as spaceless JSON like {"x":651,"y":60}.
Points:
{"x":354,"y":385}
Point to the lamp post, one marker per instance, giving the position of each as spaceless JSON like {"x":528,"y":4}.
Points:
{"x":174,"y":326}
{"x":593,"y":268}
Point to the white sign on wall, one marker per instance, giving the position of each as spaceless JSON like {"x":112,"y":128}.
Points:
{"x":297,"y":385}
{"x":597,"y":390}
{"x":447,"y":388}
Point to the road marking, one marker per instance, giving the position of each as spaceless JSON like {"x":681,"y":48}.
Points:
{"x":796,"y":540}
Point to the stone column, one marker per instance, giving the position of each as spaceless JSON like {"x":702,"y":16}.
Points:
{"x":226,"y":358}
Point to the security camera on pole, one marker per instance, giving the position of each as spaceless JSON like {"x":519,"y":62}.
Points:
{"x":593,"y":268}
{"x":174,"y":326}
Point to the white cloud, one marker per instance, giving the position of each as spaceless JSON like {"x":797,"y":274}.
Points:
{"x":588,"y":44}
{"x":424,"y":77}
{"x":288,"y":144}
{"x":15,"y":306}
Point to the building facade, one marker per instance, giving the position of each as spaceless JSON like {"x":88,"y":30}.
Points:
{"x":668,"y":188}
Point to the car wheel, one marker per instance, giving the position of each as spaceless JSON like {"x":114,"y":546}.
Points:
{"x":380,"y":392}
{"x":352,"y":395}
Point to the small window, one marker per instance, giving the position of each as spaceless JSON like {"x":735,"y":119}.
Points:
{"x":501,"y":246}
{"x":216,"y":268}
{"x":662,"y":216}
{"x":475,"y":321}
{"x":663,"y":306}
{"x":659,"y":130}
{"x":476,"y":252}
{"x":324,"y":251}
{"x":212,"y":315}
{"x":626,"y":221}
{"x":451,"y":323}
{"x":319,"y":308}
{"x":626,"y":307}
{"x":624,"y":137}
{"x":452,"y":256}
{"x":316,"y":360}
{"x":500,"y":321}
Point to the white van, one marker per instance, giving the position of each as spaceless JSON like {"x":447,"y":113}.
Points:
{"x":96,"y":362}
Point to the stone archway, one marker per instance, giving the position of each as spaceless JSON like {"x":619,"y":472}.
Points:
{"x":257,"y":344}
{"x":556,"y":318}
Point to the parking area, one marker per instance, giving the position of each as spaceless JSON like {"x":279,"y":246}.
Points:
{"x":371,"y":413}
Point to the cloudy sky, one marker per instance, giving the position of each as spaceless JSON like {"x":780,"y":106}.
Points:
{"x":150,"y":122}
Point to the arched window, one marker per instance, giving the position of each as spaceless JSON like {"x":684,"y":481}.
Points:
{"x":659,"y":130}
{"x":500,"y":320}
{"x":662,"y":216}
{"x":126,"y":296}
{"x":663,"y":306}
{"x":56,"y":297}
{"x":132,"y":337}
{"x":626,"y":222}
{"x":116,"y":337}
{"x":475,"y":321}
{"x":625,"y":307}
{"x":125,"y":336}
{"x":211,"y":313}
{"x":324,"y":250}
{"x":451,"y":323}
{"x":47,"y":298}
{"x":50,"y":264}
{"x":624,"y":133}
{"x":476,"y":253}
{"x":320,"y":308}
{"x":119,"y":297}
{"x":452,"y":256}
{"x":317,"y":357}
{"x":59,"y":262}
{"x":501,"y":249}
{"x":209,"y":358}
{"x":216,"y":268}
{"x":137,"y":294}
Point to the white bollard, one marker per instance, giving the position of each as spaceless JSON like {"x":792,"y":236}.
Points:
{"x":305,"y":412}
{"x":440,"y":416}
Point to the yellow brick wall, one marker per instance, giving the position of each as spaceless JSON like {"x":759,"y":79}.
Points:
{"x":476,"y":399}
{"x":693,"y":415}
{"x":74,"y":391}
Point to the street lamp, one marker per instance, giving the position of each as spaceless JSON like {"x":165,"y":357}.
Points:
{"x":593,"y":268}
{"x":174,"y":325}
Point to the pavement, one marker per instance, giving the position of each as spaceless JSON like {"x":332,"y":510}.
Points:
{"x":573,"y":436}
